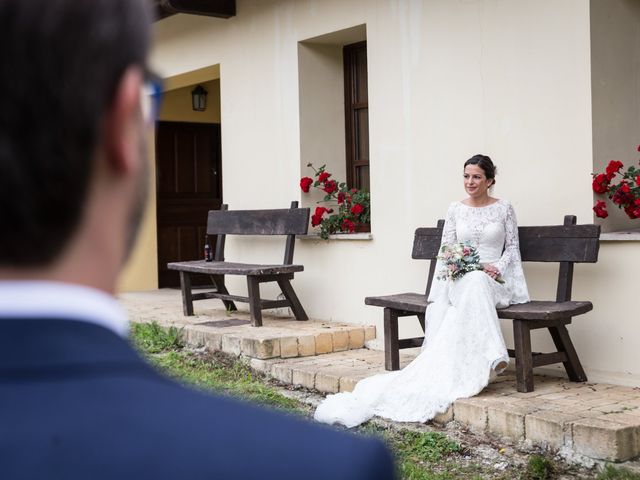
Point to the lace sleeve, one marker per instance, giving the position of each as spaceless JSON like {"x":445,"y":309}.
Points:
{"x":449,"y":231}
{"x":511,"y":254}
{"x":449,"y":236}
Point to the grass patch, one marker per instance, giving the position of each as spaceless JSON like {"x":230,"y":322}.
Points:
{"x":225,"y":376}
{"x":539,"y":468}
{"x":152,"y":338}
{"x":609,"y":472}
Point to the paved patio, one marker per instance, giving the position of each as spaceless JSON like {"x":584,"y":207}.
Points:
{"x":600,"y":421}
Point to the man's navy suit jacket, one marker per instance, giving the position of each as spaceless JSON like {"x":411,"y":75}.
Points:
{"x":77,"y":402}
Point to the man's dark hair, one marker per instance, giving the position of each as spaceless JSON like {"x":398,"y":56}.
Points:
{"x":60,"y":63}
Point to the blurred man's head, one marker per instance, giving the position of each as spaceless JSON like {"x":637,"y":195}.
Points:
{"x":72,"y":170}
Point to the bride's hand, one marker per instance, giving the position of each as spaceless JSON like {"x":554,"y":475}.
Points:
{"x":492,"y":271}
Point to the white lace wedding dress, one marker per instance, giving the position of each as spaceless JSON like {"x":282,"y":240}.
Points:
{"x":463,"y":341}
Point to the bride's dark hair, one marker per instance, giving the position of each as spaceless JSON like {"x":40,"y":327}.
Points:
{"x":485,"y":163}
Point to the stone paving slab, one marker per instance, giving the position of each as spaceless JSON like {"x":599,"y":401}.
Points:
{"x":231,"y":332}
{"x":600,"y":421}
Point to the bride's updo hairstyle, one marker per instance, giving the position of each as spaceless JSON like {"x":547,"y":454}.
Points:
{"x":485,"y":163}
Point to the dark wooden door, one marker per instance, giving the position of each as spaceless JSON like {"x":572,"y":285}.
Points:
{"x":188,"y":185}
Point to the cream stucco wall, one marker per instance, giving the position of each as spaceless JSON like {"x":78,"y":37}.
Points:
{"x":447,"y":79}
{"x":141,"y":270}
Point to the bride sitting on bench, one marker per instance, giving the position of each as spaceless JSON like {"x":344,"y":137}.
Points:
{"x":463,"y":344}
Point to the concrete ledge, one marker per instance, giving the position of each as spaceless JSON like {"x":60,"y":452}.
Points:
{"x":605,"y":440}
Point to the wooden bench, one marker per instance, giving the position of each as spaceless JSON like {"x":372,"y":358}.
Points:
{"x":566,"y":244}
{"x":223,"y":222}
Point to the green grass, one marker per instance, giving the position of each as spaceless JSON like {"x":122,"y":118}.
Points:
{"x":214,"y":372}
{"x":539,"y":468}
{"x":151,"y":338}
{"x":612,"y":473}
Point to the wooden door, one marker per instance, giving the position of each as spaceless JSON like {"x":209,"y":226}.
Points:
{"x":188,"y":185}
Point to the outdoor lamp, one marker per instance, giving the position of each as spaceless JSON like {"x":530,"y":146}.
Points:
{"x":199,"y":99}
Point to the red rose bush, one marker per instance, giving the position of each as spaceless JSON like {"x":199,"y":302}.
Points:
{"x":350,"y":205}
{"x":623,"y":191}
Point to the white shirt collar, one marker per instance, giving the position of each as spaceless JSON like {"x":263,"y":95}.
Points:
{"x":43,"y":299}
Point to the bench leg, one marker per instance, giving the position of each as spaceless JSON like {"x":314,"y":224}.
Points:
{"x":290,"y":295}
{"x":187,"y":300}
{"x":255,"y":307}
{"x":524,"y":359}
{"x":218,"y":282}
{"x":563,"y":343}
{"x":422,"y":324}
{"x":391,"y":347}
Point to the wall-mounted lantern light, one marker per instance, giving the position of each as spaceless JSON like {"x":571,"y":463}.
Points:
{"x":199,"y":99}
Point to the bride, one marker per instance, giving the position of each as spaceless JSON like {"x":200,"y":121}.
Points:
{"x":463,"y":344}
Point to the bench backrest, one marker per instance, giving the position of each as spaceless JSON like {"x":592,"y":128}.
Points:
{"x":284,"y":221}
{"x":566,"y":244}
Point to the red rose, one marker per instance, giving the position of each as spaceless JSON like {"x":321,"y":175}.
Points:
{"x":341,"y":197}
{"x":354,"y":190}
{"x":614,"y":167}
{"x":357,"y":209}
{"x":330,"y":186}
{"x":347,"y":225}
{"x":638,"y":180}
{"x":639,"y":148}
{"x":637,"y":201}
{"x":316,"y":218}
{"x":631,"y":211}
{"x":624,"y":186}
{"x":600,"y":183}
{"x":600,"y":209}
{"x":621,"y":198}
{"x":323,"y":177}
{"x":321,"y":210}
{"x":305,"y":183}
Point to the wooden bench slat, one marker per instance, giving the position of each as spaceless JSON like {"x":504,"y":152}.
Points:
{"x":266,"y":304}
{"x":232,"y":268}
{"x":539,"y":310}
{"x":558,"y":249}
{"x":411,"y":342}
{"x":553,"y":243}
{"x":411,"y":302}
{"x":541,"y":359}
{"x":294,"y":221}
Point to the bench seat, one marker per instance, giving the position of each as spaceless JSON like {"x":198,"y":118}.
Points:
{"x":537,"y":310}
{"x":534,"y":310}
{"x":232,"y":268}
{"x":409,"y":302}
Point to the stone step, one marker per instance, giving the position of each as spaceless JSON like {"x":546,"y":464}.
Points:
{"x":231,"y":332}
{"x":599,"y":421}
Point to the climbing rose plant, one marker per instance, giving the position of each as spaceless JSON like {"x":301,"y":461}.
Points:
{"x":350,"y":206}
{"x":623,"y":191}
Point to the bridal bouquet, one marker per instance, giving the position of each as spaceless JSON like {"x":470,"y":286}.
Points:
{"x":459,"y":259}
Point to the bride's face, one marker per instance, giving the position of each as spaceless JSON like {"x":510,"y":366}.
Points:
{"x":476,"y":183}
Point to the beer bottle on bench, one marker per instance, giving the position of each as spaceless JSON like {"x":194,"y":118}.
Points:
{"x":208,"y":256}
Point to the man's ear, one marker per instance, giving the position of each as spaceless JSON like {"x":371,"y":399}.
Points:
{"x":121,"y":126}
